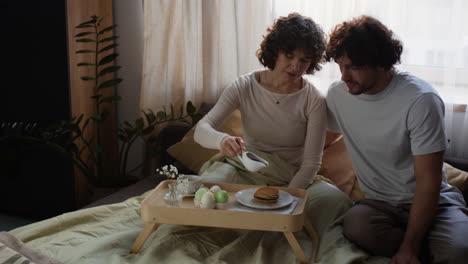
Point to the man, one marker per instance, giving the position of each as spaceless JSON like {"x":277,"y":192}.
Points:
{"x":393,"y":126}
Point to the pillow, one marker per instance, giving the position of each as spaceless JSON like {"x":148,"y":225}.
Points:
{"x":456,"y":177}
{"x":8,"y":255}
{"x":192,"y":155}
{"x":356,"y":192}
{"x":336,"y":165}
{"x":13,"y":250}
{"x":331,"y":138}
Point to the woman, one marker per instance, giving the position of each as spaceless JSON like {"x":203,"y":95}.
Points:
{"x":284,"y":118}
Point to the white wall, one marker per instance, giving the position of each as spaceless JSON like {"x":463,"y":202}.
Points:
{"x":128,"y":16}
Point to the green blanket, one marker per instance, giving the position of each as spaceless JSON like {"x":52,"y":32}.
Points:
{"x":106,"y":233}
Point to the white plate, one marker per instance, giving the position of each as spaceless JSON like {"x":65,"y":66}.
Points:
{"x":245,"y":197}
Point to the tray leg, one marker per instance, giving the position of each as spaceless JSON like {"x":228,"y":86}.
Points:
{"x":296,"y":247}
{"x":147,"y":230}
{"x":313,"y":235}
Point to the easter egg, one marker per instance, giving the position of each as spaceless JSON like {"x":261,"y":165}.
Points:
{"x":222,"y":196}
{"x":199,"y":193}
{"x":215,"y":188}
{"x":207,"y":201}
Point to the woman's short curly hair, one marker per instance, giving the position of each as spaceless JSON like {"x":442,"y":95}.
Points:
{"x":366,"y":41}
{"x":290,"y":33}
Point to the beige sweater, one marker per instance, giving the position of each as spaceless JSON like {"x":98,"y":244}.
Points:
{"x":294,"y":129}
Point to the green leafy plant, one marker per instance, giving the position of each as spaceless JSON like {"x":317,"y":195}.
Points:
{"x":72,"y":138}
{"x":144,"y":127}
{"x":100,"y":42}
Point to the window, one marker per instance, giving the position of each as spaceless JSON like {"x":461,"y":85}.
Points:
{"x":434,"y":35}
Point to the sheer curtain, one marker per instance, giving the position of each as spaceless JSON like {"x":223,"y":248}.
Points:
{"x":435,"y":43}
{"x":193,"y":49}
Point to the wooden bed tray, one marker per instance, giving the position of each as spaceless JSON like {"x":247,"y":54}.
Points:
{"x":155,"y":211}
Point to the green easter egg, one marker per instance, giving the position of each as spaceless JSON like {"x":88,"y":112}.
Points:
{"x":221,"y":196}
{"x":199,"y":193}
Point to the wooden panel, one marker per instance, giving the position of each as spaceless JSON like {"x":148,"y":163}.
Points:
{"x":78,"y":12}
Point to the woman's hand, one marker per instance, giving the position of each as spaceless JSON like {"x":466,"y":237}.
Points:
{"x":232,"y":146}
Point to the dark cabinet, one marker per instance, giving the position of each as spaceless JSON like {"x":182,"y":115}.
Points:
{"x":35,"y":180}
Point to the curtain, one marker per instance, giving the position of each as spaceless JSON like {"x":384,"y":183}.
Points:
{"x":435,"y":47}
{"x":193,"y":49}
{"x":456,"y":126}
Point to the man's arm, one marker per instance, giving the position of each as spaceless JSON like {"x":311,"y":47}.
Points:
{"x":428,"y":172}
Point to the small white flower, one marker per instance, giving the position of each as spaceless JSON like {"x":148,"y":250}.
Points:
{"x":170,"y":172}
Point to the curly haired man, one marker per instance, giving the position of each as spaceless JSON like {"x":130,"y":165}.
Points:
{"x":393,"y":126}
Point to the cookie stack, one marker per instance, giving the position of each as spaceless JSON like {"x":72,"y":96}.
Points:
{"x":266,"y":195}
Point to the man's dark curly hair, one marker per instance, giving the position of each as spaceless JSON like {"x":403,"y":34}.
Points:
{"x":290,"y":33}
{"x":366,"y":41}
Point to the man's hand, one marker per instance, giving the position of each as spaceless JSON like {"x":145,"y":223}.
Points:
{"x":428,"y":172}
{"x":232,"y":146}
{"x":405,"y":256}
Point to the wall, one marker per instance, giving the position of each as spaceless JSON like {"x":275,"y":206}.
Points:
{"x":128,"y":15}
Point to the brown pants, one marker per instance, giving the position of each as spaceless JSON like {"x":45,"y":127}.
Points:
{"x":379,"y":227}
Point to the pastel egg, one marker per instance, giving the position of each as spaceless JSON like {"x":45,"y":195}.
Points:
{"x":207,"y":201}
{"x":215,"y":188}
{"x":222,"y":196}
{"x":199,"y":193}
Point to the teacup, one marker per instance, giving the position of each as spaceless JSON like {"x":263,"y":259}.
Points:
{"x":188,"y":184}
{"x":252,"y":162}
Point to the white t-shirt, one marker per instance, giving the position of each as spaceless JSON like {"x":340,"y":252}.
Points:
{"x":383,"y":131}
{"x":294,"y":129}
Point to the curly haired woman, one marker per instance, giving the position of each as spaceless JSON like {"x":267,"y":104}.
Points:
{"x":284,"y":119}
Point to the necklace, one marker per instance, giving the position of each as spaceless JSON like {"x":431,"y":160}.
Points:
{"x":279,"y":97}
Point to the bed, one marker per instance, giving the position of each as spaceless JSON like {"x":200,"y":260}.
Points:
{"x":105,"y":231}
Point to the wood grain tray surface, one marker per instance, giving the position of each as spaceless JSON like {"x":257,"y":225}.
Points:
{"x":155,"y":209}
